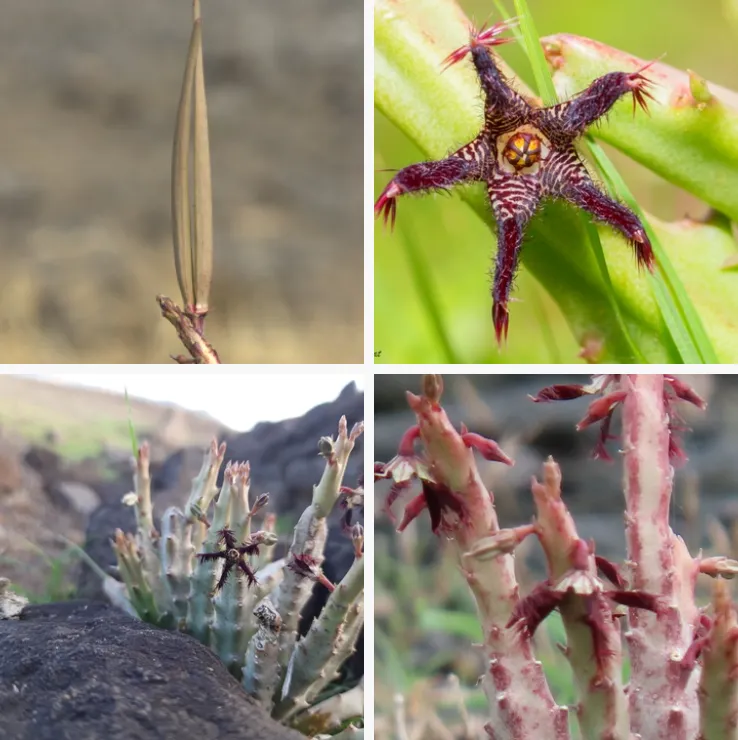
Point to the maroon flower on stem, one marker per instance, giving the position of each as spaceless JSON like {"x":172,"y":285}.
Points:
{"x":601,"y":409}
{"x":351,"y":499}
{"x":579,"y":582}
{"x":234,"y":556}
{"x":440,"y":500}
{"x":308,"y":567}
{"x":526,"y":154}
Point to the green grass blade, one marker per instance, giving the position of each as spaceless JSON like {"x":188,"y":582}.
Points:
{"x":678,"y":311}
{"x":423,"y":284}
{"x":549,"y":339}
{"x":599,"y":253}
{"x":515,"y":30}
{"x":534,"y":52}
{"x":131,"y":429}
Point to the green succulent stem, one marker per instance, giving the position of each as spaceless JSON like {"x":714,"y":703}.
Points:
{"x":313,"y":653}
{"x":311,"y":533}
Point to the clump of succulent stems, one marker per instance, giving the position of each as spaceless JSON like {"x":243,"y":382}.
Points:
{"x":208,"y":572}
{"x":684,"y":659}
{"x":192,"y":213}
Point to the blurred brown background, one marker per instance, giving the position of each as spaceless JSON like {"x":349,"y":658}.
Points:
{"x":89,"y":91}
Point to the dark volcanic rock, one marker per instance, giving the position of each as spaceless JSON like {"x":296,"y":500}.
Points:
{"x":86,"y":671}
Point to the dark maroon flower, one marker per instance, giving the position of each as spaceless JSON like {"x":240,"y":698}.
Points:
{"x":683,"y":392}
{"x":441,"y":500}
{"x":530,"y":611}
{"x":578,"y":582}
{"x":525,"y":155}
{"x":234,"y":556}
{"x":560,"y":392}
{"x":351,"y":500}
{"x":444,"y":505}
{"x":308,"y":566}
{"x":601,"y":410}
{"x":610,"y":571}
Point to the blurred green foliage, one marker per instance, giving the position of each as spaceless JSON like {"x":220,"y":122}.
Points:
{"x":58,"y":576}
{"x":444,"y":316}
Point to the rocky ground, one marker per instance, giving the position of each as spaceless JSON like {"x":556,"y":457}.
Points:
{"x":89,"y":94}
{"x":82,"y":671}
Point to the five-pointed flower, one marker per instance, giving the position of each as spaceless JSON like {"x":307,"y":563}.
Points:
{"x":525,"y":154}
{"x":233,"y":556}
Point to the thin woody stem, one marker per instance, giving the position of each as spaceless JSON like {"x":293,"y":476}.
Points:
{"x":201,"y":351}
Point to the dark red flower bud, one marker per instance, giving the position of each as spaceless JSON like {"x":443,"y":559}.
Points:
{"x":684,"y":392}
{"x":488,"y":448}
{"x":601,"y":408}
{"x":560,"y":393}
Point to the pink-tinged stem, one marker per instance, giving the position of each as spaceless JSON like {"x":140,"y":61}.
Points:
{"x":521,"y":705}
{"x":593,"y":641}
{"x":663,"y":695}
{"x":719,"y":684}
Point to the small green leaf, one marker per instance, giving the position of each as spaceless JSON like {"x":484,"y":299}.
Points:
{"x":131,"y":429}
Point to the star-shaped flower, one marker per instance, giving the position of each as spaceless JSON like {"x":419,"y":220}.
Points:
{"x":234,"y":556}
{"x":526,"y":154}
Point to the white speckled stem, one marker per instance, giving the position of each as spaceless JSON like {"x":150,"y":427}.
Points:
{"x":603,"y":705}
{"x":146,"y":532}
{"x":344,"y":649}
{"x":233,"y":605}
{"x":203,"y":486}
{"x":520,"y":702}
{"x":663,"y":699}
{"x":177,"y":558}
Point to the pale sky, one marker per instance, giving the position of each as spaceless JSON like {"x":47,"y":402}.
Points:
{"x":238,"y":400}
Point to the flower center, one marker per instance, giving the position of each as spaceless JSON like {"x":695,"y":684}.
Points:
{"x":233,"y":555}
{"x":522,"y":150}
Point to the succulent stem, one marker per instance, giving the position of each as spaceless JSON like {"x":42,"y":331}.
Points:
{"x":663,"y":699}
